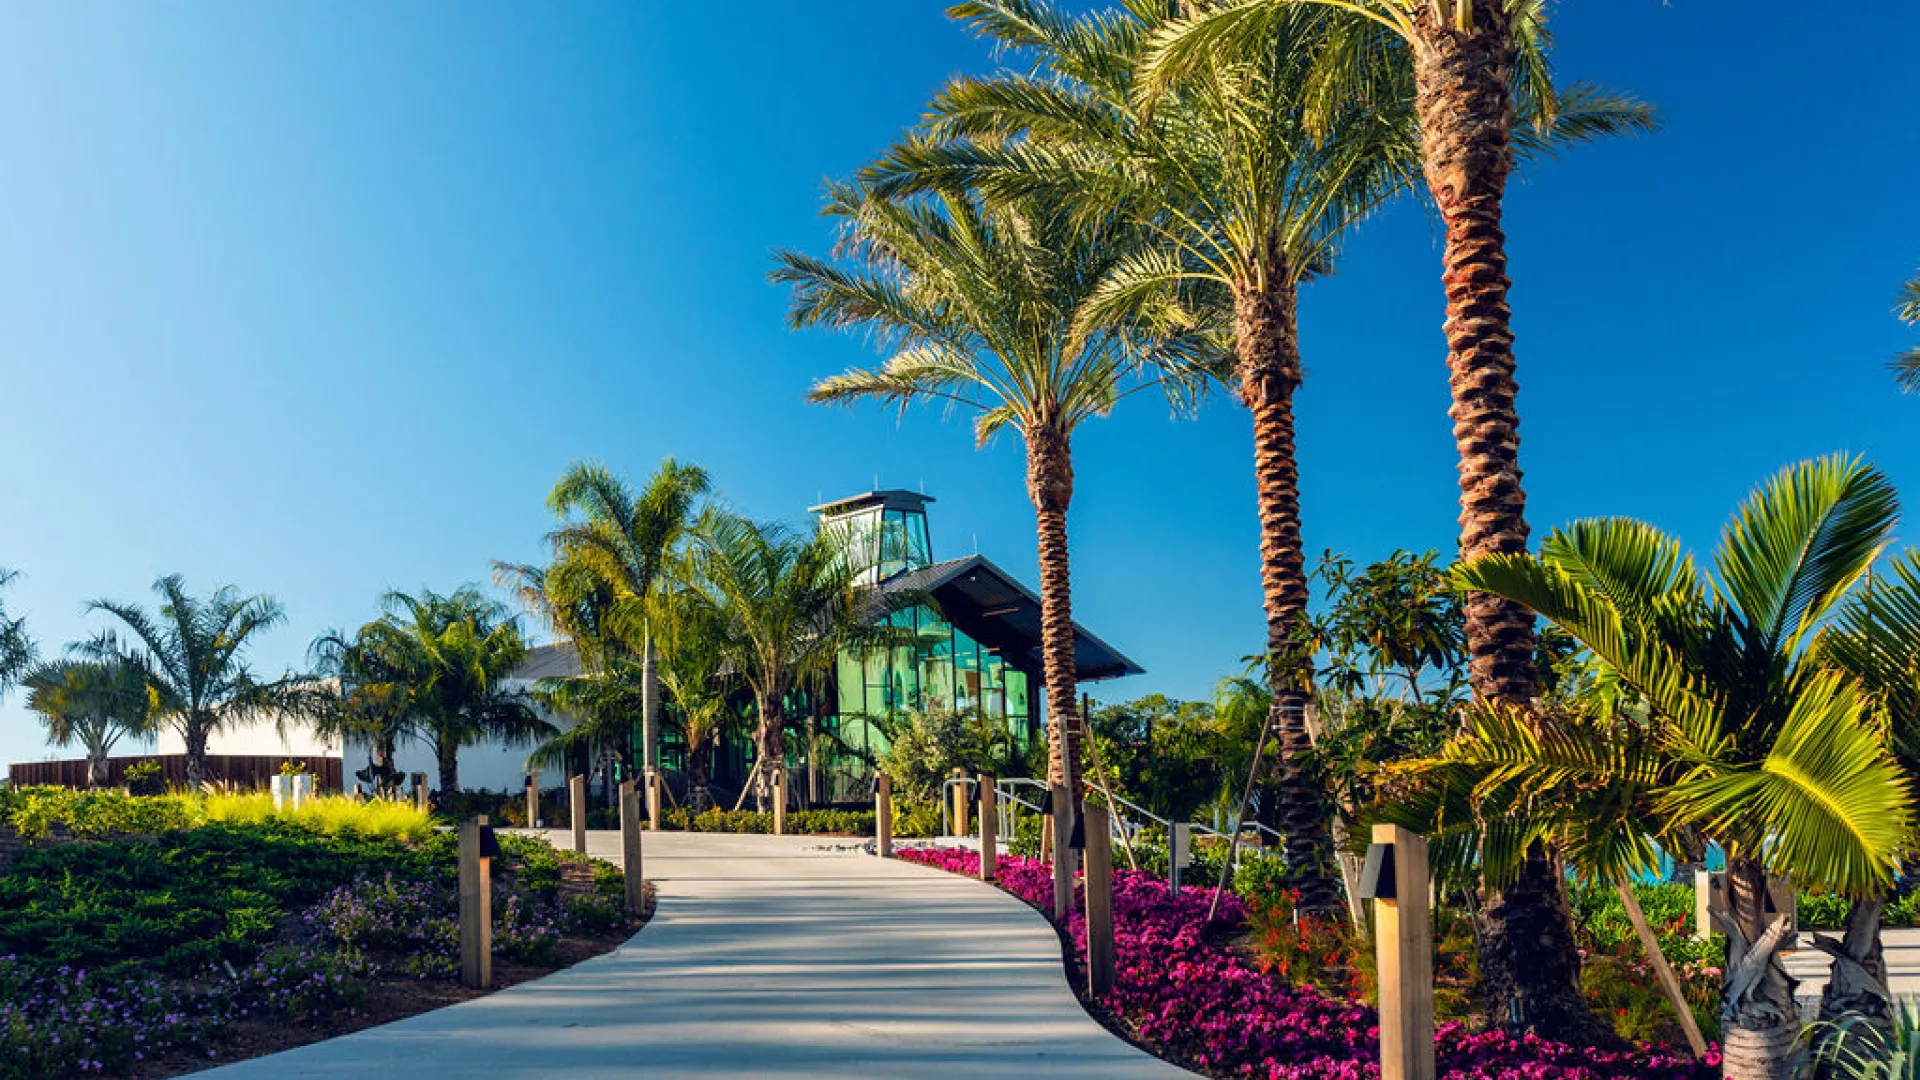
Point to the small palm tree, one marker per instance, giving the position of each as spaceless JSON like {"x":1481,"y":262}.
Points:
{"x":92,"y":703}
{"x":193,"y":651}
{"x":979,"y":305}
{"x":367,"y":698}
{"x":1906,"y":366}
{"x":16,"y":648}
{"x":455,"y":654}
{"x":786,"y":604}
{"x":612,"y":552}
{"x":695,"y":672}
{"x":1751,"y":739}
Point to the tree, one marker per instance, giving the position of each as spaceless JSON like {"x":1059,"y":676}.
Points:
{"x":619,"y":544}
{"x":455,"y":654}
{"x":1750,"y":738}
{"x":366,"y":696}
{"x":982,"y":306}
{"x":193,"y":652}
{"x":695,"y":672}
{"x":16,"y":648}
{"x":786,"y":604}
{"x":1906,"y":366}
{"x":91,"y":703}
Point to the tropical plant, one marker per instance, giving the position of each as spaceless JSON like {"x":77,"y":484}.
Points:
{"x":92,"y":703}
{"x":787,"y":603}
{"x":1906,"y":366}
{"x":366,"y":696}
{"x":602,"y":702}
{"x":1868,"y":1047}
{"x":609,"y":560}
{"x":16,"y":648}
{"x":983,"y":307}
{"x":1749,"y":738}
{"x":1239,"y":204}
{"x":455,"y":654}
{"x":695,"y":673}
{"x":193,"y":653}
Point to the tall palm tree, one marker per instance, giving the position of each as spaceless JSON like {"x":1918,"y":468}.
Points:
{"x":1239,"y":204}
{"x":456,"y":653}
{"x":787,"y":603}
{"x":92,"y":703}
{"x":1752,"y":739}
{"x":1906,"y":366}
{"x":620,"y":542}
{"x":193,"y":651}
{"x":981,"y":306}
{"x":16,"y":648}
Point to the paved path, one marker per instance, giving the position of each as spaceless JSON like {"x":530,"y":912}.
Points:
{"x":785,"y":957}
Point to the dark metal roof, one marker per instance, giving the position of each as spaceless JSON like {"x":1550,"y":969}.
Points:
{"x":995,"y":609}
{"x":890,"y":499}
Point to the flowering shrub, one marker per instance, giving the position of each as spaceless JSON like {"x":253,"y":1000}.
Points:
{"x":68,"y":1022}
{"x":295,"y":984}
{"x":1180,"y":990}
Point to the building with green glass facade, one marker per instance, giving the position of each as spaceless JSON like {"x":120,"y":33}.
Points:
{"x":975,"y":628}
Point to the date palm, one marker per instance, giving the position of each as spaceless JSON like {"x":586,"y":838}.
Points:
{"x":16,"y":648}
{"x":785,"y":604}
{"x":1752,"y":739}
{"x":93,"y":704}
{"x":619,"y":541}
{"x":455,"y":654}
{"x":980,"y":305}
{"x":193,"y":651}
{"x":1906,"y":366}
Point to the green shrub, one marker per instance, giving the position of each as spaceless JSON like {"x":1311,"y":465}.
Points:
{"x":145,"y":778}
{"x":1822,"y":912}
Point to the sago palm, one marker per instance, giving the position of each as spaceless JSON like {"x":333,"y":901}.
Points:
{"x":979,"y":305}
{"x":621,"y":540}
{"x":16,"y":648}
{"x":193,"y":651}
{"x":1751,"y":739}
{"x":91,"y":703}
{"x":1906,"y":366}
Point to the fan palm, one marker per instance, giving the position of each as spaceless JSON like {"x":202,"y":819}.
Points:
{"x":16,"y":648}
{"x":193,"y":652}
{"x":455,"y":654}
{"x":1906,"y":366}
{"x":786,"y":604}
{"x":1750,"y":739}
{"x":620,"y":542}
{"x":979,"y":304}
{"x":92,"y":703}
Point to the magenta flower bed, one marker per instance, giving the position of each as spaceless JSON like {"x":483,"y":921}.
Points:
{"x":1210,"y":1007}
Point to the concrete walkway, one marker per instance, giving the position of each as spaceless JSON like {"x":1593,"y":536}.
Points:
{"x":787,"y":957}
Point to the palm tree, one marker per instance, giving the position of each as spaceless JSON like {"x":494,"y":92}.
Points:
{"x":787,"y":603}
{"x":602,"y":701}
{"x":1751,"y":739}
{"x":979,"y":305}
{"x":1906,"y":366}
{"x":193,"y":652}
{"x":620,"y":543}
{"x":368,"y":696}
{"x":455,"y":654}
{"x":1239,"y":203}
{"x":694,"y":670}
{"x":16,"y":648}
{"x":93,"y":704}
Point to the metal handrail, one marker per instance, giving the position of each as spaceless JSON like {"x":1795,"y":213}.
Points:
{"x":946,"y":801}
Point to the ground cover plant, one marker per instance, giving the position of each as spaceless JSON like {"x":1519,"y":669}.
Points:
{"x":141,"y":935}
{"x":1183,"y":992}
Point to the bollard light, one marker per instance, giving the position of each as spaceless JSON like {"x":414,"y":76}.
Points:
{"x":1376,"y":877}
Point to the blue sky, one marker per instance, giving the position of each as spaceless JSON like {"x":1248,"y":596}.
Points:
{"x":318,"y":299}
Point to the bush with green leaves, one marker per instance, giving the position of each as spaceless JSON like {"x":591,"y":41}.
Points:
{"x":924,"y":748}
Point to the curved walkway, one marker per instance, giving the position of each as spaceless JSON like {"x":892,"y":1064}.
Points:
{"x":788,"y":957}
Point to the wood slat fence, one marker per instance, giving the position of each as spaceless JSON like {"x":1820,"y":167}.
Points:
{"x":245,"y":772}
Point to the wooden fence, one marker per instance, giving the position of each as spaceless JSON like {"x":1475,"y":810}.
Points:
{"x":244,"y":772}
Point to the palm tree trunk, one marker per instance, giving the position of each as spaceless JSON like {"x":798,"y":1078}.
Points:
{"x":771,"y":751}
{"x":699,"y":774}
{"x":1267,"y":347}
{"x":97,"y":770}
{"x":1857,"y":984}
{"x":1463,"y":92}
{"x":194,"y":737}
{"x":1050,"y":486}
{"x":1759,"y":1020}
{"x":649,"y":706}
{"x":446,"y":752}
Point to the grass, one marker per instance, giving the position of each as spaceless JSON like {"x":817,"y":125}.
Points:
{"x":37,"y":812}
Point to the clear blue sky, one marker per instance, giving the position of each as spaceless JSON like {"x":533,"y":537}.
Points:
{"x":318,"y":299}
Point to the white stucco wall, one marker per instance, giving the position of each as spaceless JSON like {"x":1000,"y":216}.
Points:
{"x":256,"y":739}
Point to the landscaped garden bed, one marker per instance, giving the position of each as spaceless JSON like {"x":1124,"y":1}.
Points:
{"x":1188,"y":992}
{"x":148,"y":937}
